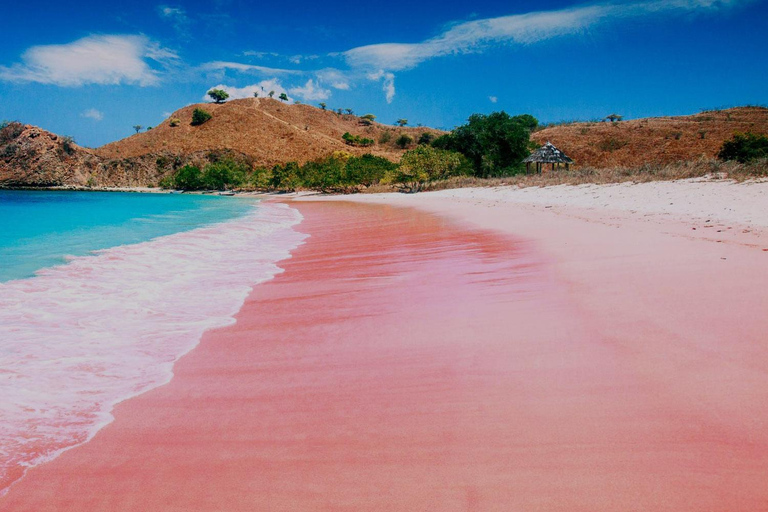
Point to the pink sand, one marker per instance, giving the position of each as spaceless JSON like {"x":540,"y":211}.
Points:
{"x":405,"y":362}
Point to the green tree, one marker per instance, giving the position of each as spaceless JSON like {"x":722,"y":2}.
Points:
{"x":367,"y":169}
{"x":404,"y":140}
{"x":349,"y":111}
{"x":283,"y":96}
{"x":271,"y":93}
{"x":223,"y":174}
{"x":323,"y":106}
{"x":188,"y":177}
{"x":401,"y":122}
{"x":425,"y":164}
{"x":744,"y":147}
{"x":199,"y":116}
{"x":285,"y":177}
{"x":256,"y":94}
{"x":137,"y":127}
{"x":368,"y":119}
{"x":614,"y":118}
{"x":218,"y":95}
{"x":426,"y":138}
{"x":496,"y":144}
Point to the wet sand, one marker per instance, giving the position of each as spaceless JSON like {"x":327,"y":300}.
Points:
{"x":407,"y":362}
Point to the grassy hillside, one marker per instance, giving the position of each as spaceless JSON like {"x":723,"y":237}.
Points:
{"x":652,"y":141}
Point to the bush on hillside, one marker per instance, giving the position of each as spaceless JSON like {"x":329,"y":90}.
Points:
{"x":404,"y":140}
{"x":356,"y":140}
{"x":174,"y":122}
{"x":199,"y":116}
{"x":744,"y":147}
{"x":426,"y":138}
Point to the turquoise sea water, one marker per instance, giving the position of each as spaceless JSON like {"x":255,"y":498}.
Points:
{"x":45,"y":228}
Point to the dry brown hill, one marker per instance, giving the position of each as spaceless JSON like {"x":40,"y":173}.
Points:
{"x":266,"y":130}
{"x":657,"y":140}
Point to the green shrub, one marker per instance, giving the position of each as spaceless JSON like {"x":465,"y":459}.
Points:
{"x":367,"y":169}
{"x":199,"y":116}
{"x":404,"y":140}
{"x":385,"y":137}
{"x":188,"y":177}
{"x":285,"y":177}
{"x":425,"y":164}
{"x":174,"y":122}
{"x":356,"y":140}
{"x":744,"y":147}
{"x":426,"y":138}
{"x":223,"y":175}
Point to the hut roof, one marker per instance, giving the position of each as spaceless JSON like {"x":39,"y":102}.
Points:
{"x":549,"y":154}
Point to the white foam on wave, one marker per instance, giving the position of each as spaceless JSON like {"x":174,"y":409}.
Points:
{"x":77,"y":339}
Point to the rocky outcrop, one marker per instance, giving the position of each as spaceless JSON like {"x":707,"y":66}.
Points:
{"x":30,"y":156}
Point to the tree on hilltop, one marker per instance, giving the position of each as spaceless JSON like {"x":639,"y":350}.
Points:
{"x":349,"y":111}
{"x":218,"y":95}
{"x":614,"y":118}
{"x":271,"y":93}
{"x":323,"y":106}
{"x":137,"y":127}
{"x":283,"y":96}
{"x":367,"y":119}
{"x":401,"y":122}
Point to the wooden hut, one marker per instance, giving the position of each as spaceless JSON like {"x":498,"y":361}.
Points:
{"x":547,"y":154}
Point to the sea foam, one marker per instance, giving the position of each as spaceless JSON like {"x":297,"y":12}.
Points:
{"x":78,"y":338}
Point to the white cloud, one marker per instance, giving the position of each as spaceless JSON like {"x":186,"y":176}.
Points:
{"x":521,"y":29}
{"x":334,"y":78}
{"x":493,"y":99}
{"x":263,"y":88}
{"x":310,"y":91}
{"x":92,"y":113}
{"x":177,"y":16}
{"x":102,"y":60}
{"x":248,"y":68}
{"x":388,"y":83}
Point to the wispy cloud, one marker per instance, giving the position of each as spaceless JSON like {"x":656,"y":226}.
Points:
{"x":177,"y":16}
{"x":520,"y":29}
{"x":102,"y":60}
{"x":493,"y":99}
{"x":249,"y":68}
{"x":387,"y":81}
{"x":92,"y":113}
{"x":379,"y":62}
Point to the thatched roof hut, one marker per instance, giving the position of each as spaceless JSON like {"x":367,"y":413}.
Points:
{"x":547,"y":154}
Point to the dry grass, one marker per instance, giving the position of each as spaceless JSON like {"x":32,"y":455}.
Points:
{"x":657,"y":140}
{"x":710,"y":168}
{"x":265,"y":130}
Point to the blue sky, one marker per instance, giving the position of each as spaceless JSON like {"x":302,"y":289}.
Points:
{"x":93,"y":70}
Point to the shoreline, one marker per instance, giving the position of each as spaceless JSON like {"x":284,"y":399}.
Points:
{"x":485,"y":355}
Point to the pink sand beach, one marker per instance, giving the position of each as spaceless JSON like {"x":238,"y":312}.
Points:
{"x":452,"y":353}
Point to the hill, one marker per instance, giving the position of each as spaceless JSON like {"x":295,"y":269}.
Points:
{"x":654,"y":141}
{"x":266,"y":130}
